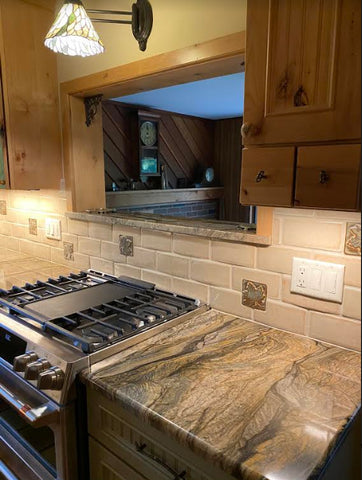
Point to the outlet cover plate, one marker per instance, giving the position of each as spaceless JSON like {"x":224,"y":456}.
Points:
{"x":317,"y":279}
{"x":53,"y":229}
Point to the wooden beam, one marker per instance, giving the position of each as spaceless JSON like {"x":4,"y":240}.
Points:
{"x":216,"y":57}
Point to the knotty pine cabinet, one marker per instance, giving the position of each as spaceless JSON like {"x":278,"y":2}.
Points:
{"x":302,"y":114}
{"x":29,"y":113}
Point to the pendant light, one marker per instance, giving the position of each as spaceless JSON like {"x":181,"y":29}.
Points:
{"x":72,"y":32}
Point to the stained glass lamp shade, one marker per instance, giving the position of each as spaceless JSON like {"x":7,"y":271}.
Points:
{"x":72,"y":33}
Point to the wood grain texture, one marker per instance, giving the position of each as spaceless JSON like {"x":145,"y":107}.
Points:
{"x":185,"y":144}
{"x":257,"y":402}
{"x":276,"y":165}
{"x":342,"y":165}
{"x":30,"y":85}
{"x":228,"y":167}
{"x":310,"y":47}
{"x":219,"y":56}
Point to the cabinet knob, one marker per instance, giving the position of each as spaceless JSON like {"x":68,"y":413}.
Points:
{"x":2,"y":182}
{"x":260,"y":176}
{"x":323,"y":177}
{"x":248,"y":130}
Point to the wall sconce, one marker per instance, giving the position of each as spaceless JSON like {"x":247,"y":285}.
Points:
{"x":72,"y":32}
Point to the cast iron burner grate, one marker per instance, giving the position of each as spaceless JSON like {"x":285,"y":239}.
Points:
{"x":97,"y":310}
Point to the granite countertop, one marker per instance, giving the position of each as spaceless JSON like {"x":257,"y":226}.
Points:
{"x":257,"y":402}
{"x":18,"y":268}
{"x":213,"y":229}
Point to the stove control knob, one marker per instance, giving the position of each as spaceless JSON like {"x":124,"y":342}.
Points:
{"x":21,"y":361}
{"x":33,"y":369}
{"x":51,"y":379}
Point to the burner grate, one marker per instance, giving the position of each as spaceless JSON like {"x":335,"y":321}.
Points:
{"x":140,"y":308}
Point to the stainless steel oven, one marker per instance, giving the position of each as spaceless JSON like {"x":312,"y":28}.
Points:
{"x":49,"y":332}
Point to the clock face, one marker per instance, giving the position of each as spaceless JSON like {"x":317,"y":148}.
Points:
{"x":148,"y":133}
{"x":209,"y":174}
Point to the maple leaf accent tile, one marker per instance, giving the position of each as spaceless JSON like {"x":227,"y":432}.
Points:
{"x":254,"y":294}
{"x":352,"y":244}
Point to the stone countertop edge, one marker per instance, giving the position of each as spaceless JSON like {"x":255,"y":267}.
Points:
{"x":219,"y":233}
{"x":207,"y":451}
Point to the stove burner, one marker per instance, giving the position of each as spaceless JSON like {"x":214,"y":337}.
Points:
{"x":93,"y":326}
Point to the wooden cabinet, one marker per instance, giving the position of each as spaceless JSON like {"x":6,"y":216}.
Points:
{"x":328,"y":176}
{"x":30,"y":96}
{"x":316,"y":176}
{"x":267,"y":176}
{"x":122,"y":447}
{"x":302,"y":92}
{"x":303,"y":71}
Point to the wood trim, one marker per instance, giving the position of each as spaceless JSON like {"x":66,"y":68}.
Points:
{"x":264,"y":224}
{"x":212,"y":58}
{"x":213,"y":52}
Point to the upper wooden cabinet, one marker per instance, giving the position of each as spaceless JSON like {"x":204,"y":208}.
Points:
{"x":30,"y":96}
{"x":303,"y":71}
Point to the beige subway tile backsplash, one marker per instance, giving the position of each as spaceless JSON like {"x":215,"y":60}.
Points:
{"x":143,"y":258}
{"x":278,"y":258}
{"x":78,"y":228}
{"x":336,"y":329}
{"x":191,"y":246}
{"x":229,"y":301}
{"x":89,"y":246}
{"x":352,"y":302}
{"x":211,"y":273}
{"x":173,"y":265}
{"x":102,"y":231}
{"x":102,"y":265}
{"x":233,"y":253}
{"x":156,"y":240}
{"x":321,"y":234}
{"x":191,"y":289}
{"x":128,"y":270}
{"x":110,"y":251}
{"x":283,"y":316}
{"x":159,"y":279}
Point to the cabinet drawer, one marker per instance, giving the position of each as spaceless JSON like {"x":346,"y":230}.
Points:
{"x":106,"y":466}
{"x":328,"y":176}
{"x":160,"y":457}
{"x":267,"y":176}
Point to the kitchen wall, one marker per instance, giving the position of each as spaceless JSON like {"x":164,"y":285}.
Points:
{"x":177,"y":24}
{"x":208,"y":269}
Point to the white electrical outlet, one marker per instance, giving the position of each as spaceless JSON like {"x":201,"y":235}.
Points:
{"x":53,"y":229}
{"x":317,"y":279}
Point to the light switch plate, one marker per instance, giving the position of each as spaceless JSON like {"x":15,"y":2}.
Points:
{"x":317,"y":279}
{"x":53,"y":229}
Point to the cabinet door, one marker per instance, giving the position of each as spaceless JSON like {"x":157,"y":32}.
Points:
{"x":106,"y":466}
{"x":30,"y":84}
{"x":328,"y":176}
{"x":303,"y":71}
{"x":267,"y":176}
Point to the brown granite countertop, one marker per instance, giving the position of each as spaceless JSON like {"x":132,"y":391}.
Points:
{"x":17,"y":268}
{"x":257,"y":402}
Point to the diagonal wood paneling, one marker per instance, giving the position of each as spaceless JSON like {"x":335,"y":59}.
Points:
{"x":186,"y":144}
{"x":228,"y":167}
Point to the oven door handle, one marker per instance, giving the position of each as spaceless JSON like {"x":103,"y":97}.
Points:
{"x":29,"y":403}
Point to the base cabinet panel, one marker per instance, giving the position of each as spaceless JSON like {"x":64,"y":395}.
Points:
{"x":121,"y":444}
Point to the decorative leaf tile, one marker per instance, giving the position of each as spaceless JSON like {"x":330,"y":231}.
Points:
{"x":352,"y":244}
{"x":254,"y":294}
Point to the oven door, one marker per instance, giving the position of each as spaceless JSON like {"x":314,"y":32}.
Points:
{"x":28,"y":424}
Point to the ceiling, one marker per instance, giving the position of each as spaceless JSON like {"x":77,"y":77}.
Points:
{"x":214,"y":98}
